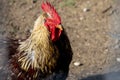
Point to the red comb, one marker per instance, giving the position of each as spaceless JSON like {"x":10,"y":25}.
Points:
{"x":48,"y":8}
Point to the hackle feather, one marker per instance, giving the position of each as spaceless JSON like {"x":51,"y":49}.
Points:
{"x":38,"y":52}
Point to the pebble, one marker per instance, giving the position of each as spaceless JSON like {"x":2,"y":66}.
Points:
{"x":29,"y":8}
{"x":86,"y":10}
{"x":10,"y":3}
{"x":1,"y":67}
{"x":81,"y":18}
{"x":23,"y":17}
{"x":118,"y":59}
{"x":30,"y":30}
{"x":4,"y":41}
{"x":19,"y":40}
{"x":77,"y":63}
{"x":78,"y":36}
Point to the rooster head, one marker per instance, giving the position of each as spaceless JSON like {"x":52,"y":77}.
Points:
{"x":52,"y":21}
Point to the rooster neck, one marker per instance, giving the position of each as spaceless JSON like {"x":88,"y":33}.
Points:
{"x":38,"y":50}
{"x":40,"y":33}
{"x":40,"y":30}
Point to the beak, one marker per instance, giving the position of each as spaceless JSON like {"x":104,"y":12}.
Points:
{"x":59,"y":27}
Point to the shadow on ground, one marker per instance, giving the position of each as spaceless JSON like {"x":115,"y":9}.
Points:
{"x":108,"y":76}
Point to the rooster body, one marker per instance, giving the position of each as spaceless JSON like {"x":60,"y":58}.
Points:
{"x":46,"y":51}
{"x":38,"y":51}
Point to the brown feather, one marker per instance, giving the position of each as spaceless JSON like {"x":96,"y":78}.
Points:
{"x":38,"y":52}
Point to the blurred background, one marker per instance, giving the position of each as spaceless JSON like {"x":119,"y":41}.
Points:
{"x":93,"y":28}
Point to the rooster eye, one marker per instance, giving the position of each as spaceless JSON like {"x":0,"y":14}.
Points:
{"x":45,"y":15}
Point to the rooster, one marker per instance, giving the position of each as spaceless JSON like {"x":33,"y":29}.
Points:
{"x":39,"y":51}
{"x":46,"y":50}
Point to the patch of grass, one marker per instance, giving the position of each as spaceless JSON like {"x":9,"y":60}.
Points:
{"x":64,"y":3}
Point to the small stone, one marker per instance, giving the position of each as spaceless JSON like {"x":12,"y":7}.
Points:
{"x":1,"y":67}
{"x":118,"y":59}
{"x":77,"y":63}
{"x":23,"y":17}
{"x":81,"y":18}
{"x":86,"y":10}
{"x":30,"y":30}
{"x":29,"y":8}
{"x":4,"y":41}
{"x":88,"y":2}
{"x":19,"y":40}
{"x":116,"y":46}
{"x":78,"y":36}
{"x":10,"y":3}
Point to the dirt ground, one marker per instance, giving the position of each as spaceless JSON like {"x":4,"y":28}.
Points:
{"x":90,"y":26}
